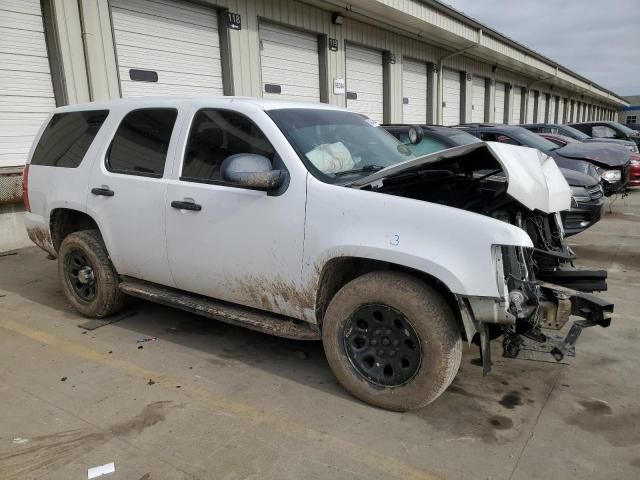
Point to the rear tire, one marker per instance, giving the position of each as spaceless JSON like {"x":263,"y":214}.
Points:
{"x":88,"y":277}
{"x":376,"y":311}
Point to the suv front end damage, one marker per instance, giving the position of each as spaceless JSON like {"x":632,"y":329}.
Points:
{"x":539,"y":288}
{"x":528,"y":310}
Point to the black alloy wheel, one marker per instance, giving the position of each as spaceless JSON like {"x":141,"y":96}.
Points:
{"x":81,"y":276}
{"x":382,"y":345}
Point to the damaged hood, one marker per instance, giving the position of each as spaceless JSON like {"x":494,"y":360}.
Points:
{"x":533,"y":178}
{"x":605,"y":155}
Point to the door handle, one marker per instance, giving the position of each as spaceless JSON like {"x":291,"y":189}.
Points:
{"x":180,"y":205}
{"x":103,"y":191}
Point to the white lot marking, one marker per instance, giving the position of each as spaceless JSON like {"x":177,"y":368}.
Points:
{"x":20,"y":441}
{"x":101,"y":470}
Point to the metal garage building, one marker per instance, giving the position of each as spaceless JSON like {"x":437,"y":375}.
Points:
{"x":426,"y":62}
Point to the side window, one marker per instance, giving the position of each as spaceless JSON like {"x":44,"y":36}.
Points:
{"x":67,"y":138}
{"x":216,"y":135}
{"x":140,"y":144}
{"x":602,"y":131}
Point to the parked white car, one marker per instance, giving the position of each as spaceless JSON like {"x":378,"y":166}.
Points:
{"x":309,"y":222}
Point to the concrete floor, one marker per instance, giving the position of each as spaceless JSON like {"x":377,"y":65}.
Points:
{"x":212,"y":401}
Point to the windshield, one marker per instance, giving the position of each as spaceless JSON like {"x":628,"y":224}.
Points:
{"x":572,"y":132}
{"x":460,"y":138}
{"x":337,"y":145}
{"x":626,"y":130}
{"x":530,"y":139}
{"x":427,"y":146}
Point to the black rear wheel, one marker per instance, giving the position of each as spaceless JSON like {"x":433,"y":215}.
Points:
{"x":88,"y":277}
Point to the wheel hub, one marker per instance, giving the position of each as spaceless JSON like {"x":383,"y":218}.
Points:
{"x":85,"y":275}
{"x":80,"y":275}
{"x":382,"y":345}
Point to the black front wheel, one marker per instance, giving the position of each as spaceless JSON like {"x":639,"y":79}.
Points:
{"x":87,"y":275}
{"x":392,"y":340}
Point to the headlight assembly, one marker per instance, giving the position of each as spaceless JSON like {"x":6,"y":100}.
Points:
{"x":611,"y":176}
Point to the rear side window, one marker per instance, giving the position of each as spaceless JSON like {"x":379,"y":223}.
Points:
{"x":216,"y":135}
{"x":67,"y":138}
{"x":140,"y":144}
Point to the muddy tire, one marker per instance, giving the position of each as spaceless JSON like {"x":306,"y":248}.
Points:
{"x":392,"y":340}
{"x":87,"y":275}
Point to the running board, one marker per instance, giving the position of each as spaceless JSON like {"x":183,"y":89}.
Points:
{"x":250,"y":318}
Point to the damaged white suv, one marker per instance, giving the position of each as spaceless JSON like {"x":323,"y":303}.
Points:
{"x":308,"y":222}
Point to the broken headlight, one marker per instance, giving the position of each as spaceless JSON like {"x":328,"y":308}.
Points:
{"x":611,"y":176}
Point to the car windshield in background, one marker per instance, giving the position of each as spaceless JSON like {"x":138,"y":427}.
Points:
{"x":338,"y":144}
{"x":425,"y":147}
{"x":626,"y":130}
{"x":460,"y":138}
{"x":574,"y":132}
{"x":532,"y":140}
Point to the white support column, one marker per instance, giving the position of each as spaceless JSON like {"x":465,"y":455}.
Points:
{"x":100,"y":52}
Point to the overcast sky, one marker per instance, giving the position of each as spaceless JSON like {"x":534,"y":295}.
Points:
{"x":599,"y":39}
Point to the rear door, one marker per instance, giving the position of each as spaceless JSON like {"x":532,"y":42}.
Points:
{"x":127,"y":188}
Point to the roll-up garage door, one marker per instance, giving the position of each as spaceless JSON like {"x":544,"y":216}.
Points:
{"x":365,"y":82}
{"x":450,"y":97}
{"x":289,"y":63}
{"x":560,"y":110}
{"x":498,"y":106}
{"x":542,"y":107}
{"x":552,"y":109}
{"x":166,"y":47}
{"x":517,"y":105}
{"x":414,"y":91}
{"x":531,"y":105}
{"x":478,"y":102}
{"x":26,"y":91}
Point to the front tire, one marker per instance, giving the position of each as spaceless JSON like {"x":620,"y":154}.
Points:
{"x":88,"y":277}
{"x":392,"y":340}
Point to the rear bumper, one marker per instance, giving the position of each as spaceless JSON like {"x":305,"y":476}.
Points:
{"x":39,"y":233}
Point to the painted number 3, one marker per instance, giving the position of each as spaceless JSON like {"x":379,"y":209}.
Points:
{"x":395,"y":240}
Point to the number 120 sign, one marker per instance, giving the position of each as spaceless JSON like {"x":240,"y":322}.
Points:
{"x":339,"y":86}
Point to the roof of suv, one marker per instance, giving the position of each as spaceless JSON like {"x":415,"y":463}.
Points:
{"x":142,"y":102}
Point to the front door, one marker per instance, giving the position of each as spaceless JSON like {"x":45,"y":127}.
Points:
{"x":127,"y":193}
{"x":234,"y":244}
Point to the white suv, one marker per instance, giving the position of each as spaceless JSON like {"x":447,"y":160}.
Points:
{"x":308,"y":222}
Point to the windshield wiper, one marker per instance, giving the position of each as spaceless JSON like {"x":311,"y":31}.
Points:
{"x":366,"y":168}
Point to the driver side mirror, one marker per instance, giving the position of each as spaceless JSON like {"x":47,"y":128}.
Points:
{"x":251,"y":171}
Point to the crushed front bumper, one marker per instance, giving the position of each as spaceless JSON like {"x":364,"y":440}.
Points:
{"x":557,"y":305}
